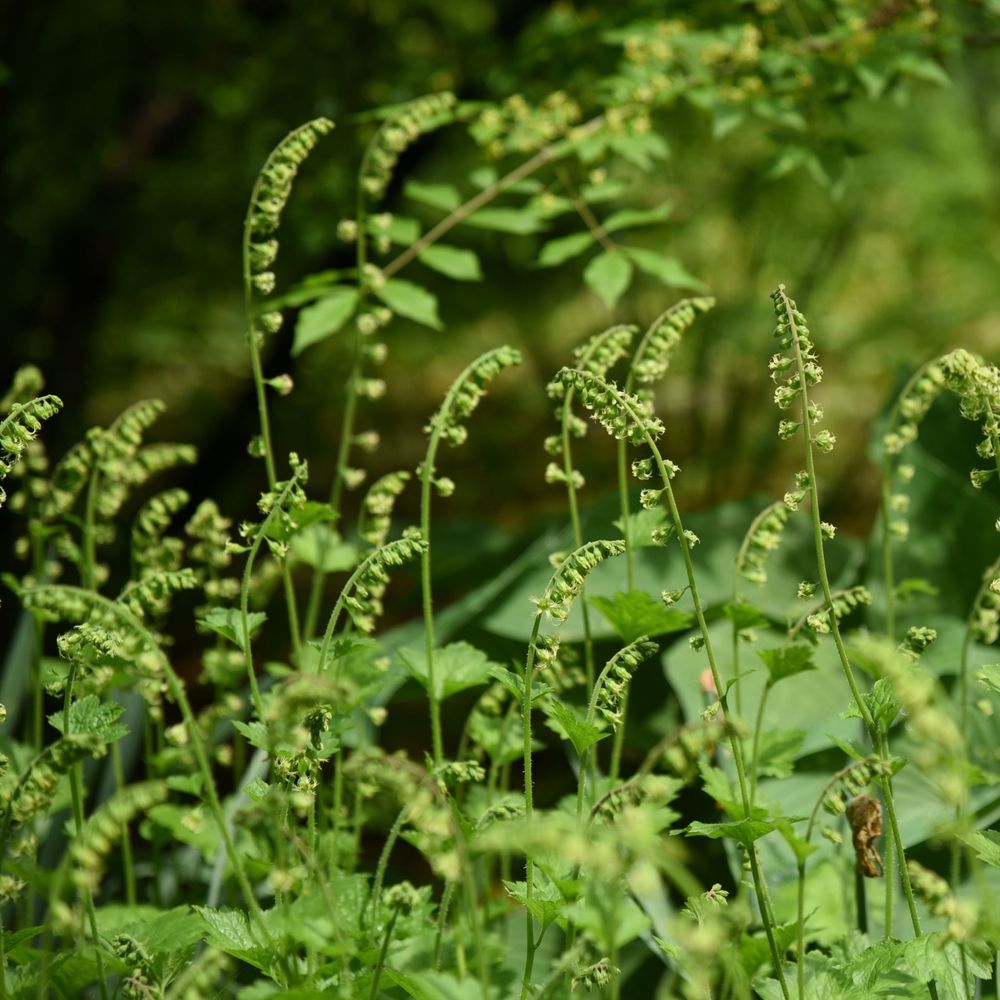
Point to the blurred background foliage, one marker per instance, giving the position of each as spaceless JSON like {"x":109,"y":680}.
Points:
{"x":132,"y":134}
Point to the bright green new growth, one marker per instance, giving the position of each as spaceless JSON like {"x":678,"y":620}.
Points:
{"x":20,"y":427}
{"x":622,"y":415}
{"x":566,"y":583}
{"x":612,"y":685}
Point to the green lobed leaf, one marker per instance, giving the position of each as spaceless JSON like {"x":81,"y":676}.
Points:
{"x":457,"y":666}
{"x":635,"y":613}
{"x":411,"y":301}
{"x":228,"y":623}
{"x":786,"y":661}
{"x":434,"y":985}
{"x":608,"y":275}
{"x":562,"y":719}
{"x":986,"y":844}
{"x":325,"y":317}
{"x":745,"y":831}
{"x":321,"y":547}
{"x":90,"y":715}
{"x":455,"y":262}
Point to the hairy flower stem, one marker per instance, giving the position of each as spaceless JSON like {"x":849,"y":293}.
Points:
{"x":383,"y":951}
{"x":530,"y":942}
{"x":76,"y":794}
{"x":254,"y":337}
{"x":383,"y":862}
{"x":258,"y":703}
{"x":350,"y":392}
{"x":734,"y":740}
{"x":870,"y":724}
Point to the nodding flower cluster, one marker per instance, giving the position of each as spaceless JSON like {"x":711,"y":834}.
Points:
{"x":270,"y":195}
{"x":613,"y":683}
{"x":794,"y":368}
{"x":568,"y":580}
{"x":622,"y":414}
{"x":376,"y":508}
{"x":652,"y":356}
{"x":402,"y":129}
{"x":19,"y":428}
{"x":467,"y":390}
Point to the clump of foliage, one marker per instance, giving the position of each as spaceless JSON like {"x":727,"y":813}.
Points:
{"x":269,"y":836}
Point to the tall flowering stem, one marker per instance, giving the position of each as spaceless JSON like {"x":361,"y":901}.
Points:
{"x":260,"y":250}
{"x":598,"y":355}
{"x":795,"y":370}
{"x":626,"y":419}
{"x":461,"y":399}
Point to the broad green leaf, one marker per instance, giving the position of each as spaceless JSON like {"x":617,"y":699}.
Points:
{"x":255,"y":733}
{"x":457,"y":666}
{"x":630,"y":218}
{"x":564,"y":721}
{"x":90,"y":715}
{"x":954,"y":969}
{"x":443,"y":196}
{"x":434,"y":985}
{"x":669,"y":270}
{"x":546,"y":904}
{"x":228,"y":623}
{"x":500,"y":736}
{"x":637,"y":613}
{"x":745,"y":831}
{"x":801,"y":847}
{"x":642,"y":523}
{"x":324,"y":317}
{"x":190,"y":784}
{"x":515,"y":684}
{"x":506,"y":220}
{"x":716,"y":785}
{"x":231,"y":932}
{"x":462,"y":265}
{"x":755,"y":951}
{"x":989,"y":676}
{"x":193,"y":826}
{"x":564,"y":248}
{"x":778,"y":751}
{"x":628,"y":922}
{"x":320,"y":546}
{"x":411,"y":301}
{"x":786,"y":661}
{"x":986,"y":844}
{"x":744,"y":615}
{"x":609,"y":275}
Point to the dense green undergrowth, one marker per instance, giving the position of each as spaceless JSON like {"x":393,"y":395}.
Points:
{"x":726,"y":753}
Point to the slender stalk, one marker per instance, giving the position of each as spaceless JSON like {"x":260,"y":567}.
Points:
{"x":383,"y":862}
{"x":351,"y":389}
{"x":386,"y":938}
{"x":755,"y":753}
{"x":734,"y":741}
{"x":254,"y":341}
{"x":128,"y":866}
{"x":862,"y":705}
{"x":530,"y":942}
{"x":76,"y":794}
